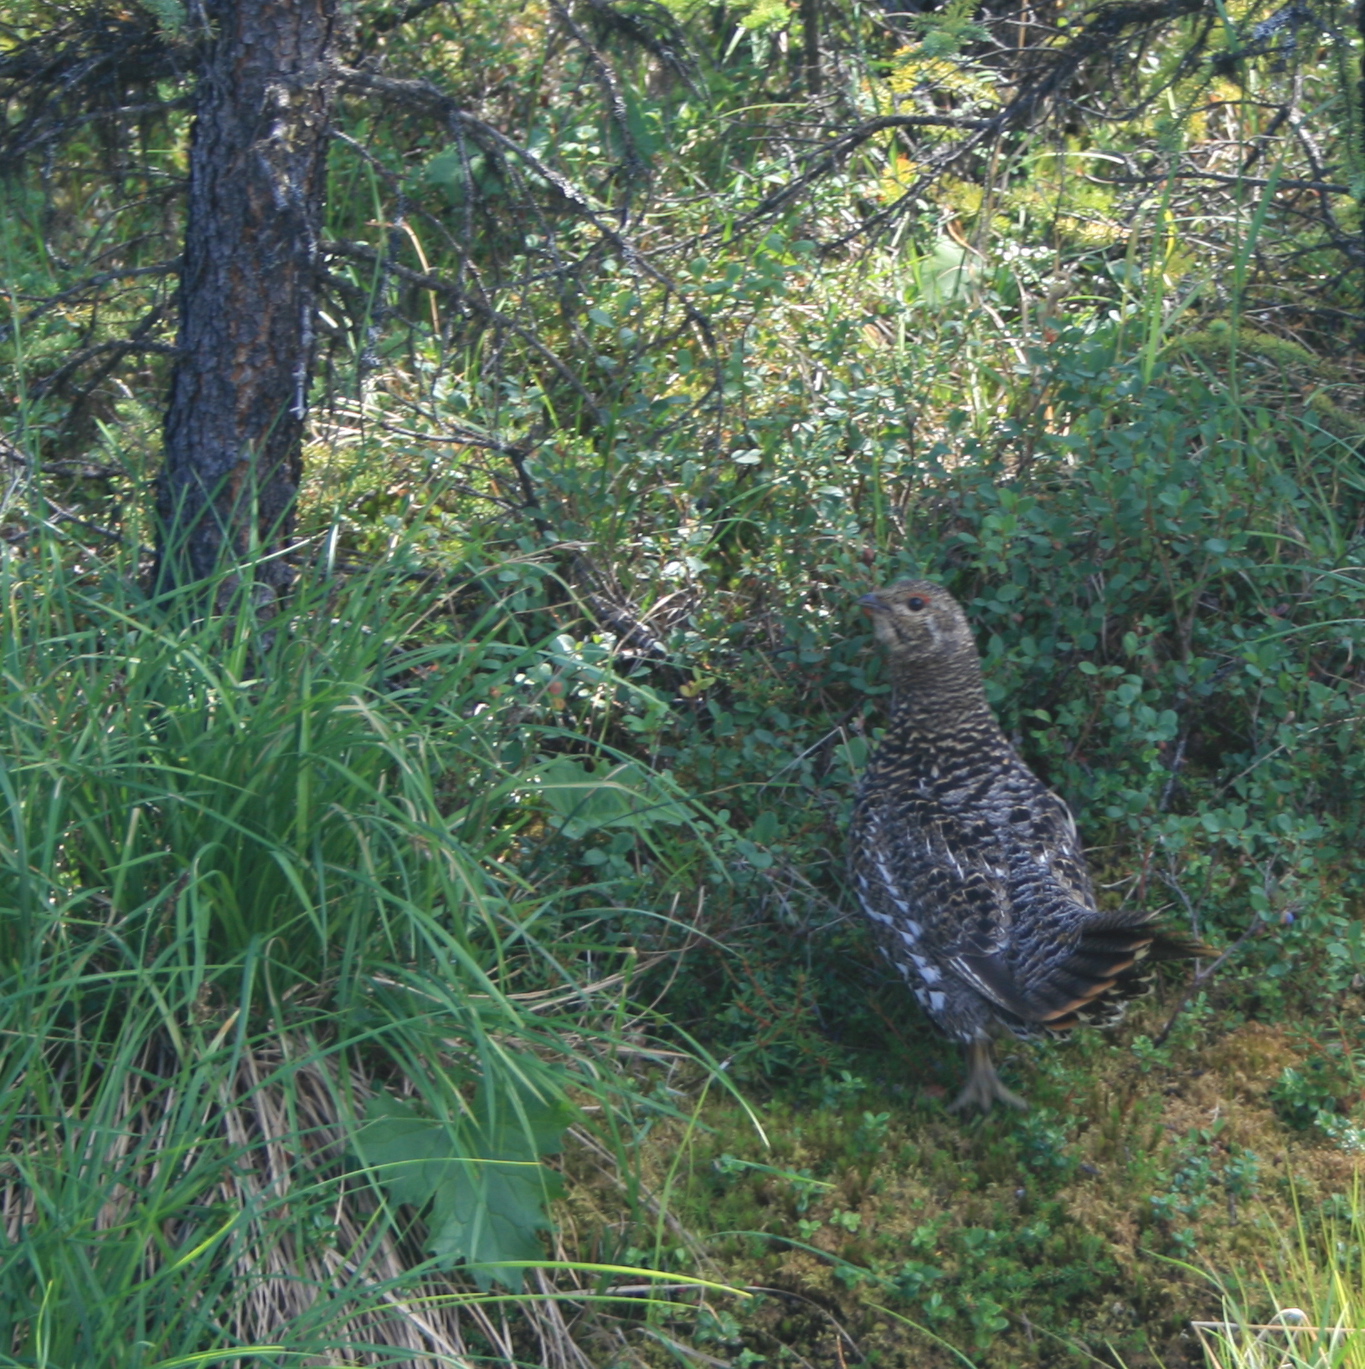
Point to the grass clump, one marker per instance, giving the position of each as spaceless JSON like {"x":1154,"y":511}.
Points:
{"x":283,"y":1033}
{"x":1306,"y":1308}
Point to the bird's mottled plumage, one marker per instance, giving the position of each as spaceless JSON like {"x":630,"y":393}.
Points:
{"x":970,"y":870}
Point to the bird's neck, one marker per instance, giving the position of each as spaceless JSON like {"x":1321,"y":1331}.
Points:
{"x":942,"y":702}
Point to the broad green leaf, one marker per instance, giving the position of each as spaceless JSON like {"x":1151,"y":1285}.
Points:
{"x":615,"y":796}
{"x":480,"y":1179}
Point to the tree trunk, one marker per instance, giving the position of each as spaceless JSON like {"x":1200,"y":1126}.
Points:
{"x":258,"y":161}
{"x":810,"y":45}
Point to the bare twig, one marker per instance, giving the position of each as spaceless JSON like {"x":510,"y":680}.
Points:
{"x":162,"y":268}
{"x":1256,"y":182}
{"x":114,"y":351}
{"x":1256,"y":927}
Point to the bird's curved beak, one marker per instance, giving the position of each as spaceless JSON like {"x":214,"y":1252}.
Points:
{"x":870,"y":603}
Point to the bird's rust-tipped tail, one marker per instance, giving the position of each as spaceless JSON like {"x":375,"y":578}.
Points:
{"x":1090,"y":983}
{"x":1110,"y":967}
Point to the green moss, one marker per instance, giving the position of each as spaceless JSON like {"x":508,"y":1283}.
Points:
{"x":1079,"y":1228}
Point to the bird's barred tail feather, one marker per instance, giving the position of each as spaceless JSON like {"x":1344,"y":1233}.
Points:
{"x":1110,"y":968}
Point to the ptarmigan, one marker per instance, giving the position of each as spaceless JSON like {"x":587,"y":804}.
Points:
{"x":970,"y":870}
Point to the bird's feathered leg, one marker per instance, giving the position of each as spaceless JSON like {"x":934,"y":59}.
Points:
{"x":984,"y":1088}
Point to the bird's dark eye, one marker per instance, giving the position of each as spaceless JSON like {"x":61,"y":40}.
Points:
{"x":916,"y":603}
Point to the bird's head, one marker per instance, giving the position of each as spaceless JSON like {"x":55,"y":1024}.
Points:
{"x":921,"y":626}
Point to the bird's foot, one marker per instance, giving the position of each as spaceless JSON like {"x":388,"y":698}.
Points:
{"x":984,"y":1088}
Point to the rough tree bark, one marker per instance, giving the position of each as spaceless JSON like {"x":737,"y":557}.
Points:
{"x":810,"y":46}
{"x":258,"y":153}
